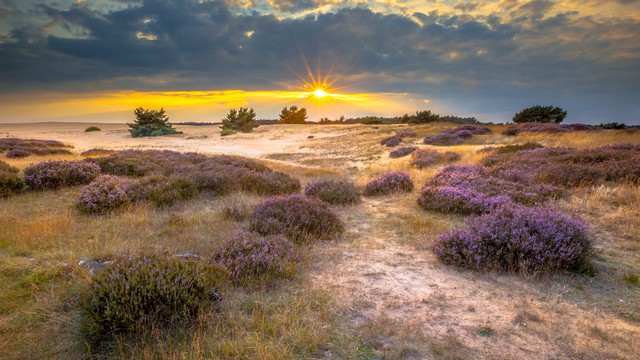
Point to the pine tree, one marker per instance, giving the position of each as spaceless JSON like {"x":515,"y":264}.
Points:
{"x":243,"y":120}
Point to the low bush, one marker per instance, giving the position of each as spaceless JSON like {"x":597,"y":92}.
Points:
{"x":333,"y":191}
{"x":567,"y":166}
{"x":163,"y":191}
{"x":19,"y":148}
{"x":443,"y":139}
{"x":269,"y":183}
{"x":104,"y":194}
{"x":92,"y":128}
{"x":10,"y":182}
{"x":388,"y":183}
{"x":518,"y":147}
{"x":402,"y":151}
{"x":249,"y":256}
{"x":406,"y":133}
{"x":56,"y":174}
{"x":297,"y":216}
{"x":424,"y":158}
{"x":471,"y":129}
{"x":391,"y":141}
{"x":548,"y":128}
{"x":479,"y":180}
{"x":458,"y":200}
{"x":227,"y":132}
{"x":18,"y":152}
{"x":517,"y":239}
{"x":139,"y":294}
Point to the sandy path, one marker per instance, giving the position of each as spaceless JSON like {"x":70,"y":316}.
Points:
{"x":415,"y":307}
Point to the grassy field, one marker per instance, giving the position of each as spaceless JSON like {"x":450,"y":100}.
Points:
{"x":376,"y":292}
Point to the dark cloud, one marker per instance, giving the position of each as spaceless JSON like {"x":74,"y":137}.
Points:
{"x":485,"y":62}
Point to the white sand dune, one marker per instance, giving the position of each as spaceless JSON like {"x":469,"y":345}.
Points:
{"x":202,"y":139}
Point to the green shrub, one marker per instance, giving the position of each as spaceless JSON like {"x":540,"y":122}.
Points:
{"x":137,"y":294}
{"x":540,"y":114}
{"x":10,"y":182}
{"x":227,"y":132}
{"x":243,"y":120}
{"x":150,"y":123}
{"x":92,"y":128}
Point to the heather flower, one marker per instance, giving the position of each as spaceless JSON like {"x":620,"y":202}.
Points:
{"x":333,"y":191}
{"x":402,"y":151}
{"x":297,"y":216}
{"x":424,"y":158}
{"x":133,"y":295}
{"x":473,"y":129}
{"x":104,"y":194}
{"x":443,"y":139}
{"x":56,"y":174}
{"x":391,"y":141}
{"x":162,"y":191}
{"x":518,"y":239}
{"x":387,"y":183}
{"x":248,"y":255}
{"x":459,"y":200}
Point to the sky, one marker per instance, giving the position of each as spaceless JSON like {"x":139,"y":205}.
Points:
{"x":95,"y":61}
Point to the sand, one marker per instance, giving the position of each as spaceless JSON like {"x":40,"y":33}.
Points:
{"x":203,"y":139}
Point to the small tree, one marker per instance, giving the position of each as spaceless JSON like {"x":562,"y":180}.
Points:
{"x":150,"y":123}
{"x":243,"y":120}
{"x":424,"y":116}
{"x":293,"y":115}
{"x":540,"y":114}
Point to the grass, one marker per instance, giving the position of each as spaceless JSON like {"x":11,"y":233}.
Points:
{"x":375,"y":293}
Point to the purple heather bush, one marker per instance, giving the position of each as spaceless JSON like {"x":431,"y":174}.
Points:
{"x":297,"y":216}
{"x":406,"y":133}
{"x":459,"y":200}
{"x":443,"y":139}
{"x":568,"y":166}
{"x":517,"y":239}
{"x":473,"y":129}
{"x":56,"y":174}
{"x":548,"y":128}
{"x":137,"y":294}
{"x":162,"y":191}
{"x":465,"y":134}
{"x":340,"y":191}
{"x":104,"y":194}
{"x":477,"y":179}
{"x":18,"y":148}
{"x":269,"y":183}
{"x":216,"y":174}
{"x":10,"y":182}
{"x":424,"y":158}
{"x":402,"y":151}
{"x":249,"y":255}
{"x":388,"y":183}
{"x":391,"y":141}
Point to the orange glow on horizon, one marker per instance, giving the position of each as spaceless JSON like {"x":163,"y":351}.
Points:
{"x":195,"y":105}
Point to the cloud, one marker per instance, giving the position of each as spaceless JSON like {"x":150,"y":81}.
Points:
{"x":487,"y":57}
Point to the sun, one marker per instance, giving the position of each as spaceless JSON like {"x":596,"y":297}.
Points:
{"x":319,"y":93}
